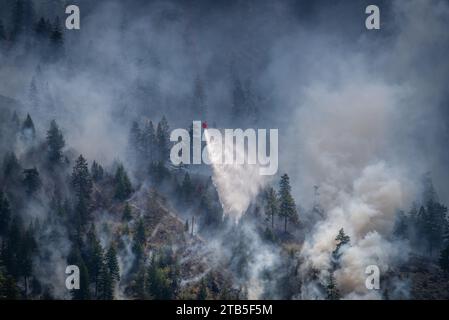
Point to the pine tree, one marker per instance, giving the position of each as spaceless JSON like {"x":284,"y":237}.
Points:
{"x":148,"y":141}
{"x":5,"y":214}
{"x":28,"y":247}
{"x":43,"y":29}
{"x":287,"y":206}
{"x":342,"y":239}
{"x":271,"y":206}
{"x":97,"y":171}
{"x":57,"y":37}
{"x":17,"y":19}
{"x":55,"y":142}
{"x":186,"y":188}
{"x":33,"y":95}
{"x":331,"y":288}
{"x":29,"y":15}
{"x":163,"y":139}
{"x":112,"y":263}
{"x":81,"y":179}
{"x":127,"y":213}
{"x":444,"y":258}
{"x":31,"y":181}
{"x":123,"y":187}
{"x":28,"y":130}
{"x":105,"y":283}
{"x":140,"y":236}
{"x":11,"y":167}
{"x":186,"y":226}
{"x":95,"y":258}
{"x":135,"y":139}
{"x":436,"y":225}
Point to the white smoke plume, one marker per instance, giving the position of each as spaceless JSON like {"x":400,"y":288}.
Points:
{"x":237,"y":185}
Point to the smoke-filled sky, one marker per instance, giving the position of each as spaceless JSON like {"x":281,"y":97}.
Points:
{"x":342,"y":96}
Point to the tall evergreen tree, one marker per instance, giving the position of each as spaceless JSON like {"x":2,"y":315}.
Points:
{"x":81,"y":179}
{"x":17,"y":19}
{"x":96,"y":171}
{"x":127,"y":213}
{"x":55,"y":142}
{"x":271,"y":206}
{"x":11,"y":167}
{"x":31,"y":180}
{"x":95,"y":258}
{"x":287,"y":206}
{"x":163,"y":139}
{"x":28,"y":129}
{"x":57,"y":37}
{"x":123,"y":187}
{"x":342,"y":239}
{"x":148,"y":141}
{"x":105,"y":283}
{"x":332,"y":292}
{"x":112,"y":263}
{"x":135,"y":139}
{"x":186,"y":188}
{"x":444,"y":258}
{"x":5,"y":214}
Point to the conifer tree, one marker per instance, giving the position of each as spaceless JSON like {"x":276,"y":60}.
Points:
{"x":17,"y":19}
{"x":444,"y":258}
{"x":31,"y":180}
{"x":28,"y":129}
{"x":57,"y":37}
{"x":96,"y":171}
{"x":271,"y":206}
{"x":186,"y":188}
{"x":127,"y":213}
{"x":55,"y":142}
{"x":342,"y":239}
{"x":287,"y":206}
{"x":81,"y":179}
{"x":105,"y":283}
{"x":11,"y":167}
{"x":95,"y":263}
{"x":5,"y":214}
{"x":135,"y":139}
{"x":149,"y":141}
{"x":112,"y":263}
{"x":123,"y":187}
{"x":331,"y":288}
{"x":163,"y":139}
